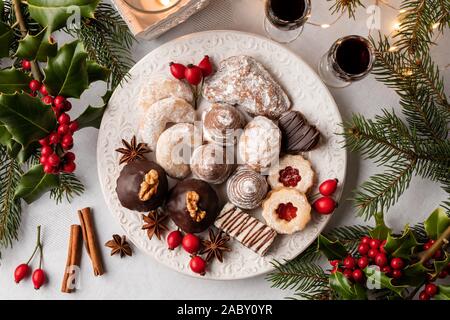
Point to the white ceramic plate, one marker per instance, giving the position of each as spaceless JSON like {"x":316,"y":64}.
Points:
{"x":308,"y":94}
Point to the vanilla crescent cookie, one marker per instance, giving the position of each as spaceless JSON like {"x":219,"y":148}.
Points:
{"x":292,"y":172}
{"x":159,"y":114}
{"x":286,"y":210}
{"x":160,"y":88}
{"x":175,"y":147}
{"x":259,"y":144}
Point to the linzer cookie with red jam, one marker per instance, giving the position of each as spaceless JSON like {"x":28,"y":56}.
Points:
{"x":249,"y":231}
{"x":292,"y":172}
{"x":286,"y":210}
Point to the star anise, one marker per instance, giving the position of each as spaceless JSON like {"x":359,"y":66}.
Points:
{"x":215,"y":246}
{"x":132,"y":151}
{"x":119,"y":244}
{"x":154,"y":224}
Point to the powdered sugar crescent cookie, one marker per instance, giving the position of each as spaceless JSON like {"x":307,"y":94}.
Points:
{"x":292,"y":172}
{"x":174,"y":149}
{"x":162,"y":112}
{"x":259,"y":144}
{"x":286,"y":210}
{"x":160,"y":88}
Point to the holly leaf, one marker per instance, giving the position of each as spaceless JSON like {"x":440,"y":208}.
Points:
{"x":331,"y":249}
{"x":26,"y":118}
{"x":57,"y":14}
{"x":402,"y":246}
{"x":377,"y":280}
{"x":443,"y":293}
{"x":92,"y":116}
{"x":13,"y":80}
{"x":6,"y":36}
{"x":440,"y":265}
{"x":69,"y":74}
{"x":380,"y":231}
{"x":436,"y":223}
{"x":35,"y":183}
{"x":346,"y":290}
{"x":413,"y":275}
{"x":37,"y":47}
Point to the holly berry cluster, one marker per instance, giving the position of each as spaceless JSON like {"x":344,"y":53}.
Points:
{"x":55,"y":156}
{"x":191,"y":244}
{"x":23,"y":270}
{"x":326,"y":204}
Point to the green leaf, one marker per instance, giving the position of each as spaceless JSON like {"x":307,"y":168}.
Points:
{"x":6,"y":35}
{"x":331,"y":249}
{"x":346,"y":290}
{"x":37,"y":47}
{"x":25,"y":153}
{"x":436,"y":223}
{"x":377,"y":280}
{"x":13,"y":80}
{"x":440,"y":265}
{"x":35,"y":183}
{"x":443,"y":293}
{"x":58,"y":13}
{"x":402,"y":246}
{"x":69,"y":73}
{"x":27,"y":118}
{"x":380,"y":231}
{"x":413,"y":275}
{"x":5,"y":136}
{"x":92,"y":116}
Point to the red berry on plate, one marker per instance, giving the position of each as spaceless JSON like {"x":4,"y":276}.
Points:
{"x":53,"y":138}
{"x":374,"y":243}
{"x":174,"y":239}
{"x":64,"y":118}
{"x":431,"y":289}
{"x":358,"y":275}
{"x":178,"y":70}
{"x":349,"y":262}
{"x":363,"y":249}
{"x":396,"y":274}
{"x":381,"y":260}
{"x":423,"y":296}
{"x":397,"y":263}
{"x":38,"y":278}
{"x":191,"y":243}
{"x":386,"y":270}
{"x":365,"y":240}
{"x":198,"y":265}
{"x":325,"y":205}
{"x":363,"y":262}
{"x":43,"y":90}
{"x":348,"y":273}
{"x":73,"y":126}
{"x":21,"y":272}
{"x":47,"y":100}
{"x":26,"y":64}
{"x":206,"y":66}
{"x":193,"y":74}
{"x":372,"y":253}
{"x":59,"y":101}
{"x":328,"y":187}
{"x":46,"y":151}
{"x":54,"y":160}
{"x":69,"y":167}
{"x":34,"y":85}
{"x":63,"y":129}
{"x":69,"y":157}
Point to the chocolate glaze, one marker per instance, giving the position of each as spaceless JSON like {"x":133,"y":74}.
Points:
{"x":176,"y":205}
{"x":297,"y":134}
{"x":129,"y":184}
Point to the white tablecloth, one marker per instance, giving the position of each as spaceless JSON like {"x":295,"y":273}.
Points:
{"x":141,"y":277}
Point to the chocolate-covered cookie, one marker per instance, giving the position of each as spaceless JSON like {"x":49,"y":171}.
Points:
{"x":142,"y":186}
{"x":297,"y":134}
{"x":193,"y":205}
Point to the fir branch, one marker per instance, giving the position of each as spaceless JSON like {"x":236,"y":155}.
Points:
{"x":10,"y":208}
{"x":341,"y":6}
{"x":69,"y":187}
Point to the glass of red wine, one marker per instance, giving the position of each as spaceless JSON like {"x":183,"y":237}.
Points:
{"x":285,"y":19}
{"x":349,"y":59}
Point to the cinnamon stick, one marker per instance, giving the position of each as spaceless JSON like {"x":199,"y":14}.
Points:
{"x":90,"y":240}
{"x":73,"y":259}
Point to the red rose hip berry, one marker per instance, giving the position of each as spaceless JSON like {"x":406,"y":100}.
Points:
{"x":21,"y":272}
{"x":174,"y":239}
{"x":191,"y":243}
{"x":431,"y":289}
{"x":206,"y":66}
{"x":193,"y":74}
{"x":397,"y":263}
{"x":328,"y":187}
{"x":38,"y":278}
{"x":289,"y":177}
{"x":178,"y":70}
{"x":325,"y":205}
{"x":423,"y":296}
{"x":198,"y":265}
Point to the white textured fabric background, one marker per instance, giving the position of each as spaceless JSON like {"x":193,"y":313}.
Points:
{"x":141,"y":277}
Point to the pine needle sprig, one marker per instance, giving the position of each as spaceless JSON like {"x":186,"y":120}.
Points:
{"x":69,"y":187}
{"x":10,"y":208}
{"x":349,"y":6}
